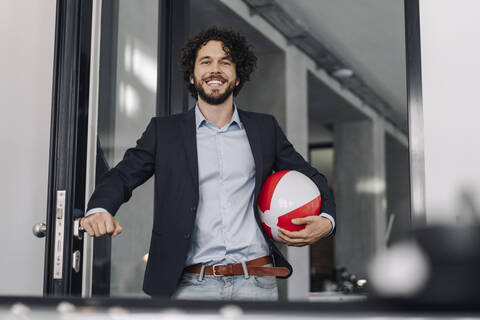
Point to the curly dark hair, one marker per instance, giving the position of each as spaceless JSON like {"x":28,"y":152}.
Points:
{"x":234,"y":44}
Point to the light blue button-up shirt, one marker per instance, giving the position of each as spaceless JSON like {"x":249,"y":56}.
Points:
{"x":225,"y":229}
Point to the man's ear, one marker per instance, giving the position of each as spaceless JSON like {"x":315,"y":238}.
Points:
{"x":237,"y":82}
{"x":191,"y":80}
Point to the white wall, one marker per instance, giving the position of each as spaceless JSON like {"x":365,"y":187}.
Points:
{"x":27,"y":31}
{"x":450,"y":37}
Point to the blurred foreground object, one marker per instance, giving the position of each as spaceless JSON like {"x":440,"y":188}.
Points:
{"x":439,"y":264}
{"x":348,"y":283}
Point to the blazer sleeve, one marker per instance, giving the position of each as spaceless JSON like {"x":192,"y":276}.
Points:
{"x":136,"y":167}
{"x":287,"y":158}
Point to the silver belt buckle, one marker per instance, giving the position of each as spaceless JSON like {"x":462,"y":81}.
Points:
{"x":216,"y":265}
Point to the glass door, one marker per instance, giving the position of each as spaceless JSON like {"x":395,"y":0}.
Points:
{"x":134,"y":62}
{"x":127,"y":101}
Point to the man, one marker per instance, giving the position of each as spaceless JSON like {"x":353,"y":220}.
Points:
{"x":209,"y":166}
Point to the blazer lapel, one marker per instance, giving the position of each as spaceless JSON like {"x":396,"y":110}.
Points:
{"x":253,"y":134}
{"x":190,"y":141}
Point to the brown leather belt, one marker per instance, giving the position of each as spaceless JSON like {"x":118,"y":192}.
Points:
{"x":254,"y":267}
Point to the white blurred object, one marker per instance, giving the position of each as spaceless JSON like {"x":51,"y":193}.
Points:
{"x":343,"y":73}
{"x":361,"y":282}
{"x":231,"y":312}
{"x":65,"y":307}
{"x":117,"y":310}
{"x":400,"y":271}
{"x":19,"y":309}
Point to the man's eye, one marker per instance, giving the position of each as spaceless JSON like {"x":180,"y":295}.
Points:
{"x":226,"y":63}
{"x":204,"y":62}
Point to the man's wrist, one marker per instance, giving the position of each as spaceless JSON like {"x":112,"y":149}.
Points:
{"x":94,"y":210}
{"x":332,"y":221}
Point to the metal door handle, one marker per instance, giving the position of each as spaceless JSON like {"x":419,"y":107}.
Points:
{"x":78,"y":229}
{"x":39,"y":229}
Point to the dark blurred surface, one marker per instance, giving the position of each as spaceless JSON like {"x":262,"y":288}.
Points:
{"x":454,"y":254}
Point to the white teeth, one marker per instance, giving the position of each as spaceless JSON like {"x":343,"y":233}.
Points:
{"x":214,"y":82}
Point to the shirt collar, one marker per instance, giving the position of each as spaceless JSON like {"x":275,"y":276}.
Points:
{"x":200,"y":119}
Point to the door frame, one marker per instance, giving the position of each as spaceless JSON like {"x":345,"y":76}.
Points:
{"x":416,"y":146}
{"x":67,"y":146}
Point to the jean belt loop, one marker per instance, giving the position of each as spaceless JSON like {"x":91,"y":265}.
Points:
{"x":202,"y":272}
{"x":245,"y":271}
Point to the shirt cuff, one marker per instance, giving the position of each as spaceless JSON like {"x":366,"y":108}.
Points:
{"x":94,"y":210}
{"x":329,"y":217}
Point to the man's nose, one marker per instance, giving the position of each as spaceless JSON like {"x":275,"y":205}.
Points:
{"x":215,"y":67}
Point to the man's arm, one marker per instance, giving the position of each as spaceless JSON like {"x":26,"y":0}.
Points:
{"x":316,"y":227}
{"x":116,"y":185}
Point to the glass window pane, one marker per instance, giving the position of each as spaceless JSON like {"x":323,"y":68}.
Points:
{"x":128,"y":73}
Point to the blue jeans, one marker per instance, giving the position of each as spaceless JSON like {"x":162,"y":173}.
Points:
{"x":226,"y":288}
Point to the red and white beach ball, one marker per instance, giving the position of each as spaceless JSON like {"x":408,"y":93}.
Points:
{"x":286,"y":195}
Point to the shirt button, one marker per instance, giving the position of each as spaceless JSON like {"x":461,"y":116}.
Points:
{"x":187,"y":235}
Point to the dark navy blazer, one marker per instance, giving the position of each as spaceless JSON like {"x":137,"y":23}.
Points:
{"x":168,"y":150}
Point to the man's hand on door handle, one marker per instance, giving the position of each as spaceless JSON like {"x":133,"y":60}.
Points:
{"x":100,"y":224}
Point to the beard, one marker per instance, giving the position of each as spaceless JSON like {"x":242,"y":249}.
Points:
{"x":214,"y":98}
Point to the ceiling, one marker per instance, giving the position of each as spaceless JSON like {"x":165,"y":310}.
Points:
{"x":367,"y":35}
{"x":205,"y":14}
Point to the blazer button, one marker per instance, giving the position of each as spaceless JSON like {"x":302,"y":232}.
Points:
{"x":187,"y":235}
{"x":193,"y":209}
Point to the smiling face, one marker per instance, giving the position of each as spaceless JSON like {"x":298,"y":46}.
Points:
{"x":214,"y":75}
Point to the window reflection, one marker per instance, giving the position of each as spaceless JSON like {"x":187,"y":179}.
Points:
{"x":127,"y":102}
